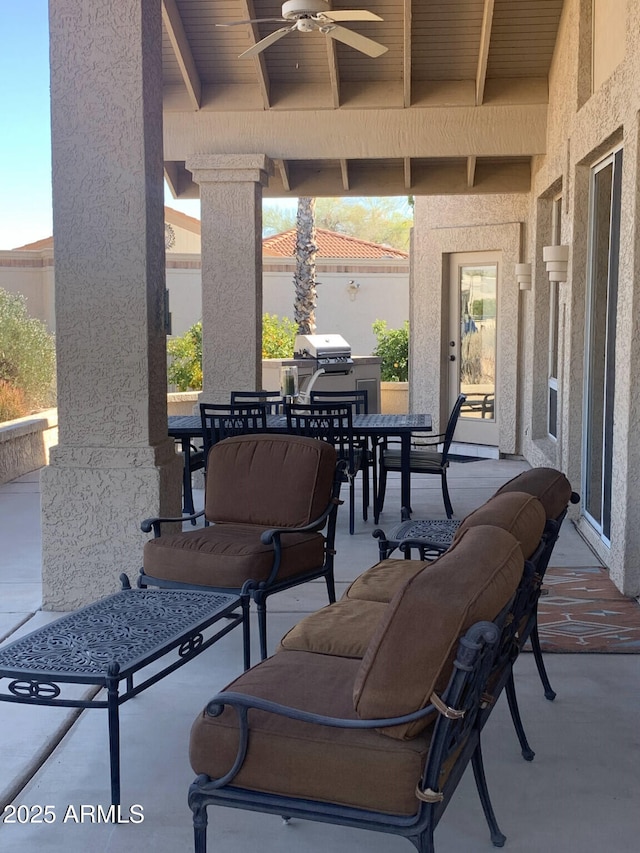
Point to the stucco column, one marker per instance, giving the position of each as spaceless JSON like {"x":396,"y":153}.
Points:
{"x":114,"y":464}
{"x":231,"y":233}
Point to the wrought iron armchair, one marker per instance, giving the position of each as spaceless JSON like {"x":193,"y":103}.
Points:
{"x":333,"y":423}
{"x":271,"y":503}
{"x":272,"y":400}
{"x":422,"y":461}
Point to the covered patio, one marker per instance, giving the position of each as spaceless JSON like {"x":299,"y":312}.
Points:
{"x":579,"y":794}
{"x":506,"y":120}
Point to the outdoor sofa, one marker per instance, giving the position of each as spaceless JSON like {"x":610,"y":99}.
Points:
{"x":372,"y":708}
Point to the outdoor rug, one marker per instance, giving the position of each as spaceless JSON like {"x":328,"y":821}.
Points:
{"x":581,"y":610}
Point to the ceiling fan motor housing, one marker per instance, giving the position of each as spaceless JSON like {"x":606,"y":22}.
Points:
{"x":293,"y":9}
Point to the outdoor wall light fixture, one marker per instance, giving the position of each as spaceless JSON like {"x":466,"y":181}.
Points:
{"x":523,"y":275}
{"x":556,"y":259}
{"x":352,"y":289}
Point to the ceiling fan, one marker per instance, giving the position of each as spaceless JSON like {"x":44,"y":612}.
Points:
{"x":305,"y":16}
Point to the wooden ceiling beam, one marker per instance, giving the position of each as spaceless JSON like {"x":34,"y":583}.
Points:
{"x":334,"y":75}
{"x":407,"y":173}
{"x":283,"y":169}
{"x":361,"y":134}
{"x":344,"y":171}
{"x":406,"y":53}
{"x":471,"y":170}
{"x":184,"y":57}
{"x":483,"y":52}
{"x":260,"y":63}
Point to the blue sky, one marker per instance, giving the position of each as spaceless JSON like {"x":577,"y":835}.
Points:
{"x":25,"y":135}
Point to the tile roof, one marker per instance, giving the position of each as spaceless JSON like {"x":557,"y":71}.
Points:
{"x":330,"y":245}
{"x":46,"y":243}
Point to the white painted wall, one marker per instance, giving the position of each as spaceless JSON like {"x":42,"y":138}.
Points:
{"x":383,"y":293}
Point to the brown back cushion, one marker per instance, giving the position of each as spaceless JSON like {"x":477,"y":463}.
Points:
{"x":411,"y":653}
{"x":519,"y":513}
{"x":551,"y":487}
{"x":269,"y":480}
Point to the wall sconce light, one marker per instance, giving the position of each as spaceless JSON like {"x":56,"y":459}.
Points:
{"x":352,"y":289}
{"x":556,"y":259}
{"x":523,"y":275}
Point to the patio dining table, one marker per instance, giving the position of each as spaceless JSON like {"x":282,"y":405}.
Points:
{"x":186,"y":428}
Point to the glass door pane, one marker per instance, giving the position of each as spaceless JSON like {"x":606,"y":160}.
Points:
{"x":477,"y":364}
{"x":600,"y":361}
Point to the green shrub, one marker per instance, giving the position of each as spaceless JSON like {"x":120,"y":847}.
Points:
{"x":278,"y":336}
{"x":185,"y":353}
{"x":185,"y":366}
{"x":393,"y":349}
{"x":27,"y":356}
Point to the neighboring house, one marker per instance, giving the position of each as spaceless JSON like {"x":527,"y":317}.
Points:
{"x":358,"y":281}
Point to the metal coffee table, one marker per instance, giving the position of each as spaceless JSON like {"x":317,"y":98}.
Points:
{"x":110,"y":641}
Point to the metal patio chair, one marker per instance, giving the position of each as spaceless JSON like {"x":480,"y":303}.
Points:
{"x":333,"y":423}
{"x":422,"y":460}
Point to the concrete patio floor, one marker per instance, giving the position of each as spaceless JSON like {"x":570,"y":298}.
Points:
{"x":579,"y":795}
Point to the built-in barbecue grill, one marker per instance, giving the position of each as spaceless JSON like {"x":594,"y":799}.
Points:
{"x":329,"y":352}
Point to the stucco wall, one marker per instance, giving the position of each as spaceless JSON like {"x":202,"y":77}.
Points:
{"x":383,"y":295}
{"x":383,"y":292}
{"x":583,"y":127}
{"x":464,"y":224}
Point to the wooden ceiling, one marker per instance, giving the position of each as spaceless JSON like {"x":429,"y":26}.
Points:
{"x":449,"y":103}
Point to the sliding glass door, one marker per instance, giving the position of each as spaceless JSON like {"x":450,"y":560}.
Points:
{"x":604,"y":241}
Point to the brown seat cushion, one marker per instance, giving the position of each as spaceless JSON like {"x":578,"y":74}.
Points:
{"x":411,"y":652}
{"x":382,"y":581}
{"x":225,"y":555}
{"x":269,"y":480}
{"x":551,"y":487}
{"x":342,"y":629}
{"x":363,"y":769}
{"x":520,"y":513}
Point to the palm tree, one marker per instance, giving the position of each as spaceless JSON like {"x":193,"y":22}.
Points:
{"x":304,"y":279}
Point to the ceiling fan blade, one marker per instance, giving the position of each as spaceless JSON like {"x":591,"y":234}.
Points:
{"x":351,"y":15}
{"x":252,"y":21}
{"x":257,"y":48}
{"x":355,"y":40}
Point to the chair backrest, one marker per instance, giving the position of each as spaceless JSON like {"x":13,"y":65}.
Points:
{"x":269,"y":480}
{"x":220,"y":421}
{"x":359,"y":400}
{"x":331,"y":422}
{"x":451,"y":426}
{"x":272,"y":400}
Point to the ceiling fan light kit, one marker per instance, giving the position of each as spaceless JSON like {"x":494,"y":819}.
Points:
{"x":307,"y":16}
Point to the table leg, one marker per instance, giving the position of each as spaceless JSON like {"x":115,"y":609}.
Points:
{"x":186,"y":476}
{"x":114,"y":732}
{"x":405,"y":473}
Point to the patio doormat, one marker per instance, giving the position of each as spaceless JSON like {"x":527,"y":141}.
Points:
{"x":582,"y":611}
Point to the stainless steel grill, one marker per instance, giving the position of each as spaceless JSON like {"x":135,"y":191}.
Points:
{"x":329,"y":352}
